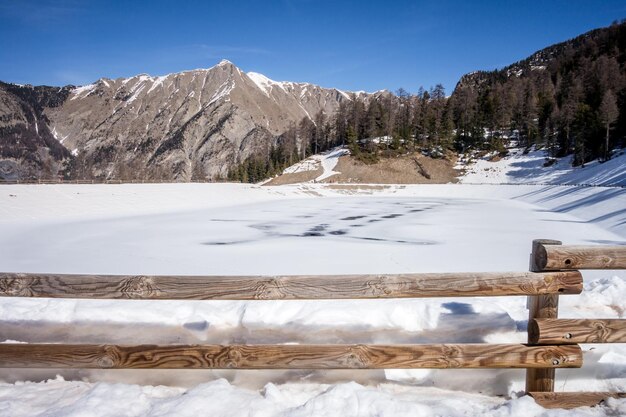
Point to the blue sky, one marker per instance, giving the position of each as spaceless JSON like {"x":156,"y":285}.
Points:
{"x":352,"y":45}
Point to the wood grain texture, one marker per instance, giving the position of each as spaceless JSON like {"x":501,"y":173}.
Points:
{"x":566,"y":331}
{"x":23,"y":355}
{"x":569,"y":400}
{"x":542,"y":306}
{"x":555,"y":257}
{"x":288,"y":287}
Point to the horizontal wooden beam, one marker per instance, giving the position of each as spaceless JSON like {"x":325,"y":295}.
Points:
{"x":559,"y":257}
{"x":288,"y":287}
{"x":22,"y":355}
{"x":572,"y":399}
{"x":564,"y":331}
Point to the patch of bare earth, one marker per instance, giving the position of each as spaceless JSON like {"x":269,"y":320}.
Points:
{"x":296,"y":177}
{"x":405,"y":169}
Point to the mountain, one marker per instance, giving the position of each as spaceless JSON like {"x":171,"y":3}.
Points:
{"x":193,"y":124}
{"x":569,"y":97}
{"x":27,"y":145}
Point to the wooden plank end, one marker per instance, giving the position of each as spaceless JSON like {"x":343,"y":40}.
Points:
{"x":569,"y":400}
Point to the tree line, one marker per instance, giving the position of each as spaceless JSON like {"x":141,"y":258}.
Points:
{"x":569,"y":98}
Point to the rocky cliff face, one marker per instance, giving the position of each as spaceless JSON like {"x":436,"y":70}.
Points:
{"x":176,"y":127}
{"x":27,"y":146}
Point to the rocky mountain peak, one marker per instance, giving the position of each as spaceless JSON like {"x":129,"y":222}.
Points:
{"x":190,"y":124}
{"x":225,"y":62}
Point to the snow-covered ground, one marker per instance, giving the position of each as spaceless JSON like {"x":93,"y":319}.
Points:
{"x":326,"y":160}
{"x":521,"y":168}
{"x":297,"y":229}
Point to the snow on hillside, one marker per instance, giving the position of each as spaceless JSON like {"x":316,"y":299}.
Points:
{"x":264,"y":83}
{"x":326,"y":160}
{"x":297,"y":229}
{"x":524,"y":168}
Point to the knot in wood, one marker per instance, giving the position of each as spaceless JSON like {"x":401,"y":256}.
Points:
{"x":357,"y":357}
{"x":138,"y":287}
{"x":269,"y":289}
{"x":15,"y":287}
{"x":106,"y":362}
{"x":233,"y":357}
{"x":379,"y":286}
{"x":450,"y":355}
{"x":599,"y":326}
{"x":555,"y":357}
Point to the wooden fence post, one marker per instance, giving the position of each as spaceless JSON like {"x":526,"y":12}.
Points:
{"x":541,"y":307}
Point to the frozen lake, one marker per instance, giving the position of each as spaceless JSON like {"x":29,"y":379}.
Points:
{"x":322,"y":235}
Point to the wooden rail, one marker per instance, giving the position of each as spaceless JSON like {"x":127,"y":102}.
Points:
{"x":551,"y":257}
{"x":552,"y":342}
{"x":288,"y":287}
{"x":563,"y":331}
{"x":21,"y":355}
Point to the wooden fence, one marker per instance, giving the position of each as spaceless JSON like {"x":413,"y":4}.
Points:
{"x":552,"y":342}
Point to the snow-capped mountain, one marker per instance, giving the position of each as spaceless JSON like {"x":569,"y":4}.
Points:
{"x":201,"y":121}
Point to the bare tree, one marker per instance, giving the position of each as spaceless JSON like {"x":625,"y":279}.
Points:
{"x":608,"y":114}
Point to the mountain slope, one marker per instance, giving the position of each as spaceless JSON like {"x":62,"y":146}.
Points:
{"x":570,"y":97}
{"x":194,"y":123}
{"x":24,"y":132}
{"x":523,"y":166}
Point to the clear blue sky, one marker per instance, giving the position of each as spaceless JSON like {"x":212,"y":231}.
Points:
{"x":352,"y":45}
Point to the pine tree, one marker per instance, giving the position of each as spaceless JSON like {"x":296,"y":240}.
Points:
{"x":353,"y":145}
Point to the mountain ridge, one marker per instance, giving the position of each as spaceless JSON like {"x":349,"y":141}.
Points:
{"x":203,"y":121}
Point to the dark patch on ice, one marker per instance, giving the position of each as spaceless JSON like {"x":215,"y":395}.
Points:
{"x":392,"y":216}
{"x":316,"y":230}
{"x":410,"y":242}
{"x":311,"y":234}
{"x":353,"y":218}
{"x":263,"y":226}
{"x":338,"y":232}
{"x":357,"y":225}
{"x":225,"y":243}
{"x":319,"y":227}
{"x":418,"y":210}
{"x":374,"y":220}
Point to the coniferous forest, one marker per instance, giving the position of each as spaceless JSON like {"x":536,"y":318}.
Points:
{"x":569,"y":98}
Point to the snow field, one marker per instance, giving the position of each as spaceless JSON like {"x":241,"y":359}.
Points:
{"x":288,"y":400}
{"x":327,"y":161}
{"x":521,"y":168}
